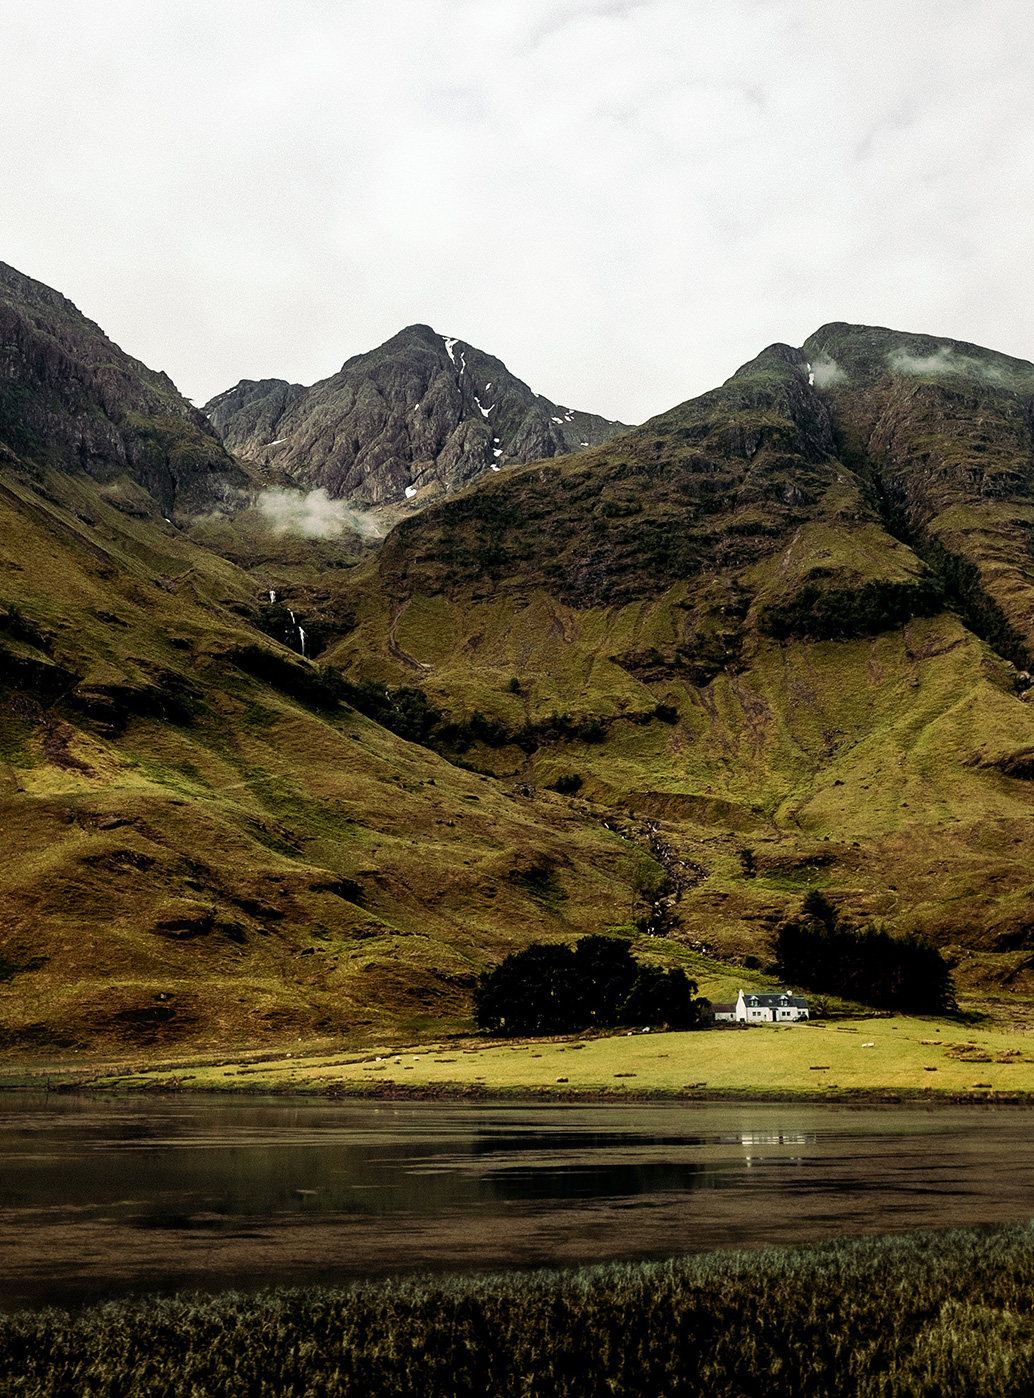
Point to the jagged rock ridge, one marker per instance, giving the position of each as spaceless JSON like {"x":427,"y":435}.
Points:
{"x":70,"y":395}
{"x":421,"y":415}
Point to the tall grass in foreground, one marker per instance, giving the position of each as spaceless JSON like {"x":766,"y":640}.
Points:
{"x":934,"y":1314}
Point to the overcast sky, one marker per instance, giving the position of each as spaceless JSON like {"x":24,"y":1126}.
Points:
{"x":622,"y":199}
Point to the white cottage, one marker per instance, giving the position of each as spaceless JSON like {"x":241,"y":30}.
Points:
{"x":778,"y":1008}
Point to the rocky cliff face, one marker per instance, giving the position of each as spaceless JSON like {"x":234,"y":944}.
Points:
{"x":943,"y":434}
{"x":71,"y":396}
{"x":708,"y":489}
{"x":419,"y":416}
{"x":923,"y":446}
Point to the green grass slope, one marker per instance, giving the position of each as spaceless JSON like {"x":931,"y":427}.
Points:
{"x":205,"y":844}
{"x":901,"y":1058}
{"x":713,"y":625}
{"x":667,"y":685}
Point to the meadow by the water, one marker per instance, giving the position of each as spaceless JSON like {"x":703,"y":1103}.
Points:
{"x":943,"y":1314}
{"x":899,"y":1055}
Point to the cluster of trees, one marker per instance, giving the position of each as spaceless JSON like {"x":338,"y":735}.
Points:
{"x":549,"y":988}
{"x":866,"y":963}
{"x":319,"y":686}
{"x":842,"y":613}
{"x":979,"y":610}
{"x":408,"y":712}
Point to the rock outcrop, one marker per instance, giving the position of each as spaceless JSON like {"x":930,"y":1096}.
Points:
{"x":70,"y":396}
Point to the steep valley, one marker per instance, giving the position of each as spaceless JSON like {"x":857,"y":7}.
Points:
{"x":774,"y":640}
{"x":204,"y":843}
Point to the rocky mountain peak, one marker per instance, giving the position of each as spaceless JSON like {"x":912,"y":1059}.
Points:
{"x":416,"y":418}
{"x":863,"y":355}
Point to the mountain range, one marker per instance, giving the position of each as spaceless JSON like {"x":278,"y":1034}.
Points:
{"x":260,"y":779}
{"x":415,"y":418}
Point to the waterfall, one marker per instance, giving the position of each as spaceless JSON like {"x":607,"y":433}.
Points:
{"x":272,"y":596}
{"x":301,"y":637}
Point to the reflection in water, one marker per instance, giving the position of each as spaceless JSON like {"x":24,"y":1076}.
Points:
{"x":776,"y":1138}
{"x":602,"y":1181}
{"x":101,"y":1197}
{"x":531,"y":1137}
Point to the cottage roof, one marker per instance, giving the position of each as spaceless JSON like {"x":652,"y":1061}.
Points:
{"x":780,"y":1001}
{"x":721,"y":1008}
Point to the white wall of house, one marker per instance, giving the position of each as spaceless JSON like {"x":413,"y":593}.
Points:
{"x":745,"y":1013}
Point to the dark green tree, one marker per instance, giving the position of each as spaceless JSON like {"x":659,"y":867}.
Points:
{"x":663,"y":997}
{"x":550,"y":989}
{"x":605,"y":972}
{"x":868,"y":964}
{"x":529,"y":992}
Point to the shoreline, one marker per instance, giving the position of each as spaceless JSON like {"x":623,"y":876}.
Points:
{"x":946,"y":1308}
{"x":900,"y":1061}
{"x":476,"y":1092}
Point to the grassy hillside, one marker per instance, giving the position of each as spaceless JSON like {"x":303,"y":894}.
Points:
{"x":209,"y":846}
{"x":902,"y":1058}
{"x":665,"y":687}
{"x":712,"y":625}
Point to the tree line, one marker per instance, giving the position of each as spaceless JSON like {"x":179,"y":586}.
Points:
{"x":550,"y":988}
{"x":867,"y":963}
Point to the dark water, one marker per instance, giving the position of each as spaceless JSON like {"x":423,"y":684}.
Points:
{"x":109,"y":1197}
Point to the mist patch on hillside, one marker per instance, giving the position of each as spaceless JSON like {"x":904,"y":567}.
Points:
{"x":313,"y":515}
{"x":944,"y":360}
{"x":826,"y":372}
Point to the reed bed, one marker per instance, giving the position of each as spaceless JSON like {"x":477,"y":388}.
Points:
{"x":944,"y":1315}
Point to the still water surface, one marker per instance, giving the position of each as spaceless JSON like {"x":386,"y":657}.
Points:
{"x":106,"y":1197}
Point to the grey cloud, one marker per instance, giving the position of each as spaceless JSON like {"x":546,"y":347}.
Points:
{"x":559,"y":16}
{"x":253,"y":190}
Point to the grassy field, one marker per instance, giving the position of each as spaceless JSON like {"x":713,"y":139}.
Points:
{"x":897,"y":1056}
{"x":945,"y":1314}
